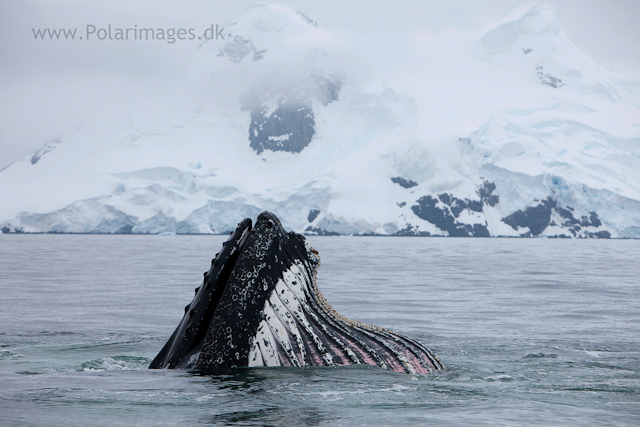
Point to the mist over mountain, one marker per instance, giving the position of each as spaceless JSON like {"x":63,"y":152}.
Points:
{"x":518,"y":134}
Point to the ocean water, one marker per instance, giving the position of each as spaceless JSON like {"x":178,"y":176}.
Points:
{"x":532,"y":331}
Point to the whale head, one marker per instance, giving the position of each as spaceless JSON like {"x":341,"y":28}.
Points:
{"x":221,"y":325}
{"x":259,"y":305}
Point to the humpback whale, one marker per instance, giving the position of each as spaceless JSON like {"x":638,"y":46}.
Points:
{"x":259,"y":305}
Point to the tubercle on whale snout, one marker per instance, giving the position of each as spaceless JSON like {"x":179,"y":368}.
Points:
{"x":270,"y":312}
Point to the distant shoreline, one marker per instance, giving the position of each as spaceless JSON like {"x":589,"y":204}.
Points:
{"x":564,"y":237}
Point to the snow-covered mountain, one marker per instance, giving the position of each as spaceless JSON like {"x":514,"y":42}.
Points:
{"x":539,"y":141}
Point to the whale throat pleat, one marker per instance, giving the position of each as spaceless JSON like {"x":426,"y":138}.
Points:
{"x":300,"y":328}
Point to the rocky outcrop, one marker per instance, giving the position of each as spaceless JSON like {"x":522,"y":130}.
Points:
{"x":313,"y":214}
{"x":537,"y":218}
{"x":402,"y":182}
{"x":238,"y":48}
{"x":548,"y":79}
{"x":444,"y":212}
{"x":282,"y":116}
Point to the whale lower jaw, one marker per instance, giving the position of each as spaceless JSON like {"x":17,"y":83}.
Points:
{"x":299,"y":328}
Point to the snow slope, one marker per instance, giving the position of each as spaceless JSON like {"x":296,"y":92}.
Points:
{"x":520,"y":134}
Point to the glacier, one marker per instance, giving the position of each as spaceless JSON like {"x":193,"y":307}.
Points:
{"x":517,"y":133}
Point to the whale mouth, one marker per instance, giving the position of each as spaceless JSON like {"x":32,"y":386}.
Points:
{"x":259,"y":305}
{"x":183,"y":348}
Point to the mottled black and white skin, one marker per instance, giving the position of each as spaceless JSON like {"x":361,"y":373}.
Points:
{"x":259,"y":305}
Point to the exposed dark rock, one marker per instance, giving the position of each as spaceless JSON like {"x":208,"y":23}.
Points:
{"x":307,"y":19}
{"x":238,"y":48}
{"x":485,"y":191}
{"x":6,"y":230}
{"x":326,"y":87}
{"x":548,"y":79}
{"x":35,"y":158}
{"x":282,"y":117}
{"x":575,"y":226}
{"x":480,"y":230}
{"x":258,"y":55}
{"x":445,"y":198}
{"x":320,"y":231}
{"x":406,"y":183}
{"x":537,"y":218}
{"x":443,"y":217}
{"x":457,"y":206}
{"x":313,"y":214}
{"x":49,"y":146}
{"x":474,"y":205}
{"x":469,"y":230}
{"x":459,"y":230}
{"x":426,"y":209}
{"x":567,"y":215}
{"x":289,"y":128}
{"x":402,"y":204}
{"x":410,"y":230}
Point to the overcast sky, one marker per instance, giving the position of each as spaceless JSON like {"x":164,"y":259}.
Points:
{"x":49,"y":88}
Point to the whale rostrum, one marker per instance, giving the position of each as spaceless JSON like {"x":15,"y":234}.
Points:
{"x":259,"y":305}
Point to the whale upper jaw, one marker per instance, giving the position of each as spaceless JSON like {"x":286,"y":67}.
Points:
{"x":259,"y":305}
{"x":230,"y":300}
{"x":183,"y":347}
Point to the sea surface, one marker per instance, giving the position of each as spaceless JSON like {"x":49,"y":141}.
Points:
{"x":532,"y":332}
